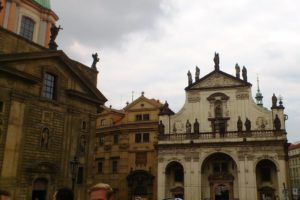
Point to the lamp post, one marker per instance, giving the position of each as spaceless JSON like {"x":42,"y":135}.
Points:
{"x":74,"y":164}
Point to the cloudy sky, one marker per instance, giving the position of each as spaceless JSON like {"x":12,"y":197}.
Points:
{"x":149,"y":45}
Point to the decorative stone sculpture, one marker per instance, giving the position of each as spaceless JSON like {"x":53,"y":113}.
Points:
{"x":217,"y":61}
{"x":277,"y":123}
{"x":239,"y":125}
{"x":197,"y":75}
{"x":244,"y":73}
{"x":190,"y":77}
{"x":174,"y":128}
{"x":45,"y":138}
{"x":196,"y":127}
{"x":95,"y":60}
{"x":161,"y":128}
{"x":248,"y":125}
{"x":237,"y":70}
{"x":274,"y":101}
{"x":188,"y":127}
{"x":54,"y":32}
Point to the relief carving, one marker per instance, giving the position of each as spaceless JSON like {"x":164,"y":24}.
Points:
{"x":261,"y":123}
{"x":217,"y":80}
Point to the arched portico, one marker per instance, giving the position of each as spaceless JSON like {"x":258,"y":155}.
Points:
{"x":174,"y":181}
{"x":219,"y":177}
{"x":266,"y":180}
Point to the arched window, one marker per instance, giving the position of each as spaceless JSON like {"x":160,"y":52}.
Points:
{"x":27,"y":27}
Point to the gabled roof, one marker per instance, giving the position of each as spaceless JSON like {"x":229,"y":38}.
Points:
{"x":72,"y":66}
{"x":153,"y":102}
{"x":236,"y":82}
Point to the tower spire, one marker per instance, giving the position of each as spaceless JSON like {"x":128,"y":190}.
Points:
{"x":259,"y":96}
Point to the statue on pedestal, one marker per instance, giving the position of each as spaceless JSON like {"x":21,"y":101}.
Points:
{"x":239,"y":125}
{"x":277,"y":123}
{"x":188,"y":127}
{"x":248,"y":125}
{"x":196,"y":127}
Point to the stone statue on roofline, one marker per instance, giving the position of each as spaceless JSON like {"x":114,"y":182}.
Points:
{"x":161,"y":128}
{"x":188,"y":127}
{"x":197,"y":74}
{"x":54,"y":32}
{"x":248,"y":125}
{"x":217,"y":61}
{"x":277,"y":123}
{"x":244,"y":73}
{"x":95,"y":61}
{"x":237,"y":70}
{"x":190,"y":77}
{"x":274,"y":101}
{"x":196,"y":127}
{"x":239,"y":125}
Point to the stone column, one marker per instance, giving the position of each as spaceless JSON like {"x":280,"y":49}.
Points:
{"x":161,"y":179}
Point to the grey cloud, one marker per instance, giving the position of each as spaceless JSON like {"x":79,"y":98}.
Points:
{"x":100,"y":23}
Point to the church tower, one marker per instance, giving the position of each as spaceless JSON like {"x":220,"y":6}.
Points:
{"x":32,"y":19}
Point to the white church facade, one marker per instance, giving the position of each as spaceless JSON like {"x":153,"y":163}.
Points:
{"x":222,"y":145}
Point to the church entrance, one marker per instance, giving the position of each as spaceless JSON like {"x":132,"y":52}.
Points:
{"x":39,"y":191}
{"x":219,"y":174}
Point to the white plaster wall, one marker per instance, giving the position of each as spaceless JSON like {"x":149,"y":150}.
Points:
{"x":233,"y":108}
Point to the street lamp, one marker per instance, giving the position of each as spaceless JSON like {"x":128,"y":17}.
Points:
{"x":74,"y":170}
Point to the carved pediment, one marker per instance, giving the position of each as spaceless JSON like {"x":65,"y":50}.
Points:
{"x":217,"y":79}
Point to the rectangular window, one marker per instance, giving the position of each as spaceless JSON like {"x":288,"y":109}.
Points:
{"x":141,"y":158}
{"x":27,"y":27}
{"x":1,"y":106}
{"x":100,"y":166}
{"x":49,"y":86}
{"x":145,"y":137}
{"x":114,"y":166}
{"x":138,"y":118}
{"x":138,"y":138}
{"x":101,"y":140}
{"x":116,"y":138}
{"x":146,"y":117}
{"x":80,"y":175}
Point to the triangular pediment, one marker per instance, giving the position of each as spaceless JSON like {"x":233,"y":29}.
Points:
{"x":143,"y":103}
{"x":217,"y":79}
{"x":82,"y":87}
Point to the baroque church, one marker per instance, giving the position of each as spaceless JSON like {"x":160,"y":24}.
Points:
{"x":222,"y":144}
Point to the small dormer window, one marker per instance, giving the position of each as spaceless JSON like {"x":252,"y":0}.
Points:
{"x":27,"y":27}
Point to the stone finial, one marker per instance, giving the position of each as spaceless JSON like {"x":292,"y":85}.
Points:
{"x":95,"y":61}
{"x":217,"y":61}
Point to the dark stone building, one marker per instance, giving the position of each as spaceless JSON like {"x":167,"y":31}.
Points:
{"x":48,"y":108}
